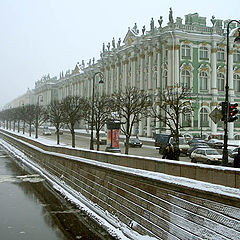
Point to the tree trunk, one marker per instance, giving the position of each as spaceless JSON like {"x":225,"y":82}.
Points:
{"x":73,"y":136}
{"x":127,"y":145}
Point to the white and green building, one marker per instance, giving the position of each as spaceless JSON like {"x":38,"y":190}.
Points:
{"x":183,"y":52}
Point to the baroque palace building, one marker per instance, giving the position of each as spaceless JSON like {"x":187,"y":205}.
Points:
{"x":189,"y":53}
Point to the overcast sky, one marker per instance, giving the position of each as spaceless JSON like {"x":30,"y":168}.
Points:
{"x":48,"y":36}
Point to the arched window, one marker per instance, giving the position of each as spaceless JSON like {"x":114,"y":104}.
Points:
{"x":236,"y":56}
{"x":203,"y":53}
{"x":186,"y":79}
{"x":186,"y":51}
{"x":236,"y":82}
{"x":220,"y":81}
{"x":186,"y":117}
{"x":203,"y":77}
{"x":204,"y":118}
{"x":220,"y":54}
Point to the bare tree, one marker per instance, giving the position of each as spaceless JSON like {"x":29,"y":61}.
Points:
{"x":102,"y":111}
{"x":75,"y":109}
{"x":30,"y":116}
{"x":41,"y":116}
{"x":128,"y":106}
{"x":171,"y":104}
{"x":56,"y":116}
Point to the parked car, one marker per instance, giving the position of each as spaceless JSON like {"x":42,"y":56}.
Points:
{"x":134,"y":142}
{"x":206,"y":155}
{"x":233,"y":152}
{"x":46,"y":132}
{"x":194,"y":146}
{"x":215,"y":143}
{"x":196,"y":140}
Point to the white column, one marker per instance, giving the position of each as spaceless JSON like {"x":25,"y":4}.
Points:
{"x":112,"y":78}
{"x":118,"y":77}
{"x":231,"y":90}
{"x":214,"y":89}
{"x":176,"y":63}
{"x":125,"y":74}
{"x":133,"y":70}
{"x":157,"y":120}
{"x":142,"y":56}
{"x":149,"y":128}
{"x":150,"y":54}
{"x":158,"y":68}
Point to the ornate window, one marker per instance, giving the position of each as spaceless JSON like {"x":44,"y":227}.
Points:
{"x":220,"y":82}
{"x":186,"y":79}
{"x":186,"y":51}
{"x":204,"y":117}
{"x":236,"y":82}
{"x":203,"y":53}
{"x":203,"y":78}
{"x":236,"y":56}
{"x":186,"y":117}
{"x":220,"y":54}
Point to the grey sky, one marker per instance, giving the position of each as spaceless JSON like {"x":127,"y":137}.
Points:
{"x":48,"y":36}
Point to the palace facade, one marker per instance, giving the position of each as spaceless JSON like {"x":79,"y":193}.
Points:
{"x":183,"y":52}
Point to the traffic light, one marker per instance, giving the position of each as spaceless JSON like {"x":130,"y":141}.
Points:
{"x":224,"y":107}
{"x":232,"y":112}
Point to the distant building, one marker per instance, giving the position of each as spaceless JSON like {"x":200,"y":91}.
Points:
{"x":189,"y":53}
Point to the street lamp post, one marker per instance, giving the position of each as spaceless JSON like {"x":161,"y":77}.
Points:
{"x":36,"y":134}
{"x":225,"y":144}
{"x":93,"y":92}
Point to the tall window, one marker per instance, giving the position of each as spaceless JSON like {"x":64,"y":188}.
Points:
{"x":186,"y":79}
{"x":186,"y":118}
{"x":203,"y":53}
{"x":220,"y":54}
{"x":186,"y":51}
{"x":203,"y":77}
{"x":220,"y":81}
{"x":236,"y":56}
{"x":236,"y":82}
{"x":204,"y":117}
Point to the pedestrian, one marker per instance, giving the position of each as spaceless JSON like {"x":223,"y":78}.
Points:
{"x":168,"y":152}
{"x":236,"y":160}
{"x":176,"y":153}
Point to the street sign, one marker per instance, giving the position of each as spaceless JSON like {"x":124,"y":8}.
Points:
{"x":216,"y":115}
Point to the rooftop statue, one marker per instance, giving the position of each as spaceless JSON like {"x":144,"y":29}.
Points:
{"x":170,"y":15}
{"x":103,"y":47}
{"x":119,"y":42}
{"x":93,"y":60}
{"x":160,"y":21}
{"x":152,"y":25}
{"x":108,"y":46}
{"x":143,"y":29}
{"x":135,"y":29}
{"x":113,"y":43}
{"x":213,"y":21}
